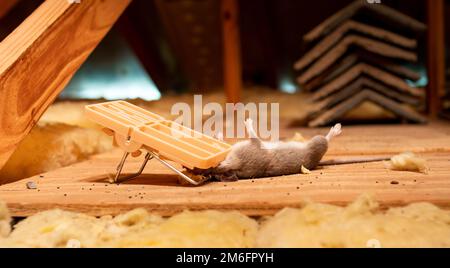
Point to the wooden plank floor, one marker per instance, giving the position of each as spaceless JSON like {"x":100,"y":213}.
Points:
{"x":83,"y":187}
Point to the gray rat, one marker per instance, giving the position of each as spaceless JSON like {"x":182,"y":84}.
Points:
{"x":255,"y":158}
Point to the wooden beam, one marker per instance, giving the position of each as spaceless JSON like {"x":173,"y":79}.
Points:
{"x":39,"y":58}
{"x":6,"y":6}
{"x":231,"y":50}
{"x":436,"y":56}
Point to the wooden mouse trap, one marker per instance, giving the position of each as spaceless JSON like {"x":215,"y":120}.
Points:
{"x":135,"y":129}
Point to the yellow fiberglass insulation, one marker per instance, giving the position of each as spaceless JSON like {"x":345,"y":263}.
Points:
{"x":360,"y":224}
{"x":5,"y":220}
{"x":408,"y":162}
{"x":53,"y":145}
{"x":137,"y":228}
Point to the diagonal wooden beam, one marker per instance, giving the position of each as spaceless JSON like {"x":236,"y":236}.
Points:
{"x":343,"y":46}
{"x":352,"y":26}
{"x":366,"y":95}
{"x":371,"y":71}
{"x":39,"y":58}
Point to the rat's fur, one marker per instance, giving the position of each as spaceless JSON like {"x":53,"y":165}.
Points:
{"x":255,"y":158}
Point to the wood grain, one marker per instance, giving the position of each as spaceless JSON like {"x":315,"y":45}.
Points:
{"x":231,"y":50}
{"x":352,"y":26}
{"x":40,"y":57}
{"x":82,"y":187}
{"x":343,"y":46}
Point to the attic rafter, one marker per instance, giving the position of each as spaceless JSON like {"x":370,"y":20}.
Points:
{"x":352,"y":26}
{"x":366,"y":95}
{"x":370,"y":71}
{"x":339,"y":50}
{"x":40,"y":57}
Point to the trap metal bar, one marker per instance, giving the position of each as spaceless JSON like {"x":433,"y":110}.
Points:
{"x":135,"y":129}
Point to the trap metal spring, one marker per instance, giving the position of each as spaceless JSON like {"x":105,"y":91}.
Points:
{"x":148,"y":157}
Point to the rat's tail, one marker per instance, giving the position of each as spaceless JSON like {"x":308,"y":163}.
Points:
{"x":334,"y":131}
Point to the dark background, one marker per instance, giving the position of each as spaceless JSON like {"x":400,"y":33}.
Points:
{"x":178,"y":42}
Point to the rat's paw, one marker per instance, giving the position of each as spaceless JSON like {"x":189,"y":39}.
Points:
{"x":334,"y":131}
{"x":250,"y":129}
{"x":249,"y":123}
{"x":337,"y":129}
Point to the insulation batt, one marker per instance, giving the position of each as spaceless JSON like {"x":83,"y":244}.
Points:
{"x":5,"y":220}
{"x":53,"y":145}
{"x":408,"y":162}
{"x":360,"y":224}
{"x":137,"y":228}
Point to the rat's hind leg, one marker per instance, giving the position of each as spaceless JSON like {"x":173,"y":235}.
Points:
{"x":250,"y":130}
{"x":334,"y":131}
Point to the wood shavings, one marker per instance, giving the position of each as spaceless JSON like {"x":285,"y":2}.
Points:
{"x":407,"y":161}
{"x":305,"y":170}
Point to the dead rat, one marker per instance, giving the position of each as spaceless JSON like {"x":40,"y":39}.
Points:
{"x":255,"y":158}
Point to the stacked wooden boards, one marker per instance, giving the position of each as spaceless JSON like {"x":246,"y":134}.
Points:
{"x":351,"y":62}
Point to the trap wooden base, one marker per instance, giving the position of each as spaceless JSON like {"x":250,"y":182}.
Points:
{"x":83,"y":187}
